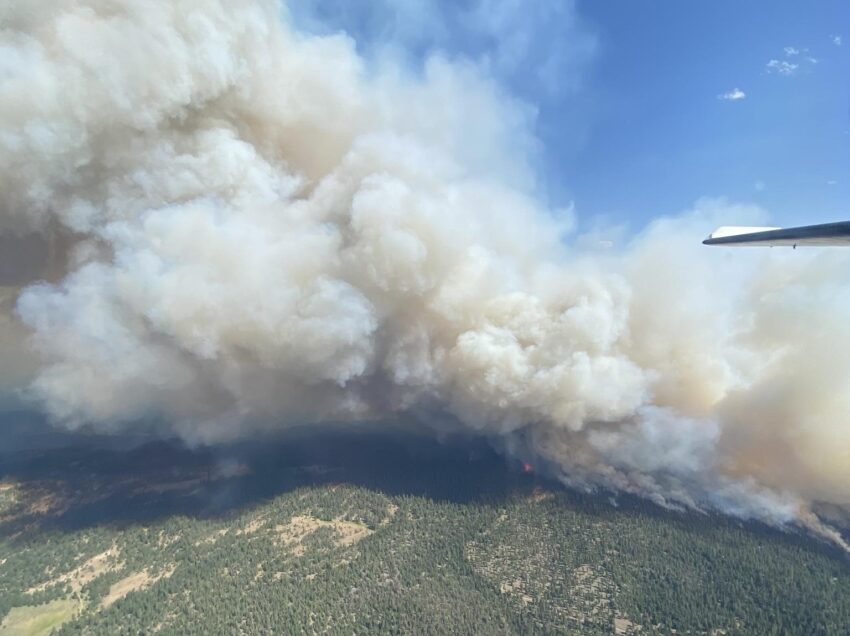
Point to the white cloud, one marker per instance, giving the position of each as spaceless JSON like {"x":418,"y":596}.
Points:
{"x":732,"y":96}
{"x":782,"y":67}
{"x":836,"y":40}
{"x":802,"y":60}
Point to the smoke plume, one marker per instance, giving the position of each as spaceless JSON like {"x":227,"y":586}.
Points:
{"x":234,"y":226}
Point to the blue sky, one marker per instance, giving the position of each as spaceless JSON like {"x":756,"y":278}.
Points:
{"x":630,"y":115}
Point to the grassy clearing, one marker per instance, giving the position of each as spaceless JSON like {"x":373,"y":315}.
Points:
{"x":136,"y":581}
{"x":299,"y":527}
{"x":38,"y":620}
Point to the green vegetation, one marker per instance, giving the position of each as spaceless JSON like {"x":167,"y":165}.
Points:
{"x":357,"y":534}
{"x":37,"y":620}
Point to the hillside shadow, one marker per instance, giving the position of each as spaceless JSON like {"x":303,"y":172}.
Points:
{"x":75,"y":486}
{"x":67,"y":482}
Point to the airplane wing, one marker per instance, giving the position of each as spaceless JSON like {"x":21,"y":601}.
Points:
{"x":825,"y":234}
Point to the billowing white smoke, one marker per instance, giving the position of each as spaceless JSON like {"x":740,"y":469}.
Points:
{"x":247,"y":228}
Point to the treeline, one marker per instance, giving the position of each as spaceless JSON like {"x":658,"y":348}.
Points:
{"x":418,"y":559}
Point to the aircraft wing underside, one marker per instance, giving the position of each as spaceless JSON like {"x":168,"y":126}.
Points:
{"x":825,"y":234}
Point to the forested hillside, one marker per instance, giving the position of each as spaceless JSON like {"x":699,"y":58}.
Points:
{"x":346,"y":533}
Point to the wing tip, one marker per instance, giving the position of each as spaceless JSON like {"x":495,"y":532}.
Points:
{"x":732,"y":234}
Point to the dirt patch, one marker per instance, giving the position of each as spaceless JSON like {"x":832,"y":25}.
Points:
{"x":255,"y":525}
{"x":392,"y":509}
{"x":164,"y":540}
{"x":624,"y":626}
{"x":349,"y":532}
{"x":293,"y":533}
{"x":136,"y":581}
{"x":212,"y":538}
{"x":48,"y":504}
{"x":84,"y":574}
